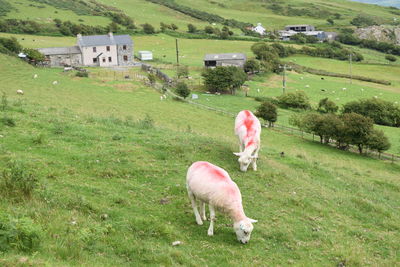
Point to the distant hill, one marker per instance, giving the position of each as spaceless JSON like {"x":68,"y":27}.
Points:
{"x":395,"y":3}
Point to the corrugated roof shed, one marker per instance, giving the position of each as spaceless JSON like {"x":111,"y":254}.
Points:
{"x":60,"y":50}
{"x":97,"y":40}
{"x":227,"y":56}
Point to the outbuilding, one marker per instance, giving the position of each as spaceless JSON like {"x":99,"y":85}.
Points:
{"x":228,"y":59}
{"x":145,"y":55}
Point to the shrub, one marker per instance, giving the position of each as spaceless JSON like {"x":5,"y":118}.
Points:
{"x":152,"y":78}
{"x":268,"y":112}
{"x":378,"y":141}
{"x":182,"y":89}
{"x":82,"y":74}
{"x":297,"y":99}
{"x":381,"y":111}
{"x":16,"y":181}
{"x":209,"y":29}
{"x":363,"y":21}
{"x":146,"y":123}
{"x":356,"y":130}
{"x":391,"y":58}
{"x":191,"y":28}
{"x":327,"y":106}
{"x":183,"y":71}
{"x":34,"y":55}
{"x":21,"y":234}
{"x":148,"y":28}
{"x":252,"y":66}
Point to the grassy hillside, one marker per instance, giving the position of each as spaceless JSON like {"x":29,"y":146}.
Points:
{"x":110,"y":184}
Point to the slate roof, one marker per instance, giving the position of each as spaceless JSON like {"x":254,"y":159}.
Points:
{"x":60,"y":50}
{"x":298,"y":25}
{"x":97,"y":40}
{"x":227,"y":56}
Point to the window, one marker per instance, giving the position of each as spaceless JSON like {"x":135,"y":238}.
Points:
{"x":124,"y":47}
{"x":125,"y":58}
{"x":109,"y":59}
{"x":108,"y":48}
{"x":94,"y":49}
{"x":95,"y":60}
{"x":104,"y":59}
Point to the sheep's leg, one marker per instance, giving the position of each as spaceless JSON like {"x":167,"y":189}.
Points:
{"x":212,"y":219}
{"x":194,"y":206}
{"x":254,"y":160}
{"x":203,"y":210}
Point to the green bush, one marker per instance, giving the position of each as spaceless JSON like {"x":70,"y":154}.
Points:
{"x":327,"y":106}
{"x":391,"y":58}
{"x":21,"y":234}
{"x":17,"y":181}
{"x":182,"y":89}
{"x":224,"y":79}
{"x":82,"y":74}
{"x":268,"y":112}
{"x":297,"y":99}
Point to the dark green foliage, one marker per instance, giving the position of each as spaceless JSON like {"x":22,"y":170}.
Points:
{"x":11,"y":45}
{"x":378,"y":141}
{"x":305,"y":9}
{"x":112,"y":27}
{"x":209,"y":29}
{"x":182,"y":89}
{"x":148,"y":28}
{"x":84,"y":74}
{"x":146,"y":123}
{"x":152,"y":78}
{"x":363,"y":21}
{"x":327,"y":106}
{"x":268,"y":112}
{"x":380,"y":111}
{"x":384,"y":47}
{"x":201,"y":15}
{"x":224,"y":79}
{"x":252,"y":66}
{"x":331,"y":52}
{"x":174,"y":27}
{"x":7,"y":121}
{"x":183,"y":71}
{"x":391,"y":58}
{"x":356,"y":129}
{"x":17,"y":181}
{"x":5,"y":7}
{"x":33,"y":55}
{"x":297,"y":99}
{"x":301,"y":38}
{"x":21,"y":234}
{"x":330,"y":21}
{"x":191,"y":28}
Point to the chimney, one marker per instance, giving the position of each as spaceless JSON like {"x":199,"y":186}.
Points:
{"x":79,"y":36}
{"x":110,"y":34}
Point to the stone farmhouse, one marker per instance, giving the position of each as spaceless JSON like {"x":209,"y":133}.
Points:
{"x":309,"y":30}
{"x":94,"y":50}
{"x":228,"y":59}
{"x":259,"y":29}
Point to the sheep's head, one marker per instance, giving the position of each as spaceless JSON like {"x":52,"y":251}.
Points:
{"x":243,"y":229}
{"x":244,"y":160}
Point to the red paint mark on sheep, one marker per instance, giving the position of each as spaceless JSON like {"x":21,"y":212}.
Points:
{"x":217,"y":173}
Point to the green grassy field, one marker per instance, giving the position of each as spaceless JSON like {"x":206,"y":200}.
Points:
{"x":43,"y":13}
{"x":93,"y":152}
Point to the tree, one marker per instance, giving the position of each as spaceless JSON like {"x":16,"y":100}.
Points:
{"x":252,"y":66}
{"x":148,"y":28}
{"x":363,"y":21}
{"x":11,"y":44}
{"x":377,"y":140}
{"x":267,"y":111}
{"x":33,"y":55}
{"x":182,"y":89}
{"x":327,"y":106}
{"x":209,"y":29}
{"x":163,"y":26}
{"x":174,"y":27}
{"x":183,"y":71}
{"x":357,"y":129}
{"x":297,"y":99}
{"x":112,"y":27}
{"x":224,"y":35}
{"x":224,"y":79}
{"x":330,"y":21}
{"x":191,"y":28}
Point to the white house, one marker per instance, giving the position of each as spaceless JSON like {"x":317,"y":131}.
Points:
{"x":259,"y":29}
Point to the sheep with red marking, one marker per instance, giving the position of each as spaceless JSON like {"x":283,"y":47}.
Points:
{"x":248,"y":129}
{"x":211,"y":184}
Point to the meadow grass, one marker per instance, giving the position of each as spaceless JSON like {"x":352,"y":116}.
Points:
{"x":43,"y":13}
{"x":112,"y":183}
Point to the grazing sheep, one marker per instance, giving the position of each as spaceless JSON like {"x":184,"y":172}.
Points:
{"x":307,"y":86}
{"x":55,"y":82}
{"x":20,"y":92}
{"x":344,"y":88}
{"x":35,"y":76}
{"x":301,"y":78}
{"x":248,"y":129}
{"x":211,"y":184}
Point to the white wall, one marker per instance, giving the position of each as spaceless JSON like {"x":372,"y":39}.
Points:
{"x":88,"y":55}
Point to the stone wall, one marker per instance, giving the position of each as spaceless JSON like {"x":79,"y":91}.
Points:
{"x":128,"y":52}
{"x":65,"y":60}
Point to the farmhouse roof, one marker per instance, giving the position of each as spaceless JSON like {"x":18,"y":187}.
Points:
{"x":107,"y":39}
{"x":60,"y":50}
{"x":227,"y":56}
{"x":298,"y":25}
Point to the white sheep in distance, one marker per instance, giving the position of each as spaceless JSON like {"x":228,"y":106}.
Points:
{"x":35,"y":76}
{"x":248,"y":129}
{"x":20,"y":92}
{"x":55,"y":82}
{"x":211,"y":184}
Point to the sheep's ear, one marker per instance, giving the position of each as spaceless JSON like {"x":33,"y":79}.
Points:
{"x":239,"y":154}
{"x":252,"y":220}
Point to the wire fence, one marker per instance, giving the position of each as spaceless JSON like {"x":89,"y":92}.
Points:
{"x":276,"y":127}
